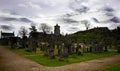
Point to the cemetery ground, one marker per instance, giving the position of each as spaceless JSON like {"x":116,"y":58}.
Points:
{"x":20,"y":60}
{"x":74,"y":58}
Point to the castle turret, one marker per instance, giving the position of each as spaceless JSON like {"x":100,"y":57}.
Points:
{"x":57,"y":29}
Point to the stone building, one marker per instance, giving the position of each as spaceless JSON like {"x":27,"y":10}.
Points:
{"x":56,"y":29}
{"x":5,"y":37}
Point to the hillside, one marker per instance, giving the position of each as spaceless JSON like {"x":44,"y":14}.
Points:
{"x":99,"y":34}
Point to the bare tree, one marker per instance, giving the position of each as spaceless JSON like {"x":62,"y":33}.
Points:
{"x":33,"y":32}
{"x":23,"y":31}
{"x":45,"y":28}
{"x":33,"y":29}
{"x":86,"y":23}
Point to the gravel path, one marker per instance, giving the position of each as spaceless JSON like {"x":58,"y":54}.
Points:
{"x":9,"y":61}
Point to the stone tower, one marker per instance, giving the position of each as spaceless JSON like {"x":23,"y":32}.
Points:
{"x":57,"y":29}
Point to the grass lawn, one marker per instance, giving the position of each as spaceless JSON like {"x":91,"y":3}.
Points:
{"x":74,"y":58}
{"x":112,"y":68}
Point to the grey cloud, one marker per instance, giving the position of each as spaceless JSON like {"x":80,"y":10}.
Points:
{"x":68,"y":20}
{"x":72,"y":29}
{"x":80,"y":0}
{"x":7,"y":19}
{"x":79,"y":9}
{"x":32,"y":8}
{"x":6,"y":27}
{"x":68,"y":15}
{"x":14,"y":8}
{"x":109,"y":14}
{"x":108,"y":9}
{"x":25,"y":20}
{"x":82,"y":9}
{"x":15,"y":19}
{"x":9,"y":11}
{"x":76,"y":5}
{"x":95,"y":20}
{"x":115,"y":20}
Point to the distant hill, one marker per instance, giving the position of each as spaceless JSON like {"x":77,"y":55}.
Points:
{"x":99,"y":34}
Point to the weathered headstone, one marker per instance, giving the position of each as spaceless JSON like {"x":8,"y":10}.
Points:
{"x":61,"y":53}
{"x":65,"y":51}
{"x":100,"y":48}
{"x":118,"y":48}
{"x":13,"y":41}
{"x":46,"y":49}
{"x":69,"y":48}
{"x":72,"y":48}
{"x":96,"y":48}
{"x":77,"y":48}
{"x":24,"y":41}
{"x":85,"y":49}
{"x":51,"y":52}
{"x":106,"y":49}
{"x":30,"y":45}
{"x":61,"y":57}
{"x":34,"y":43}
{"x":59,"y":49}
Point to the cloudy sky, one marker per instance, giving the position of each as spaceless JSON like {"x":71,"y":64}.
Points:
{"x":67,"y":13}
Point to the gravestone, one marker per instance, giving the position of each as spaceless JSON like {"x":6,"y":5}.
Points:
{"x":96,"y":48}
{"x":100,"y":48}
{"x":106,"y":49}
{"x":61,"y":57}
{"x":69,"y":48}
{"x":34,"y":45}
{"x":13,"y":41}
{"x":118,"y":48}
{"x":51,"y":52}
{"x":42,"y":47}
{"x":59,"y":49}
{"x":61,"y":53}
{"x":30,"y":45}
{"x":46,"y":49}
{"x":90,"y":48}
{"x":85,"y":49}
{"x":72,"y":48}
{"x":24,"y":42}
{"x":78,"y":50}
{"x":65,"y":51}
